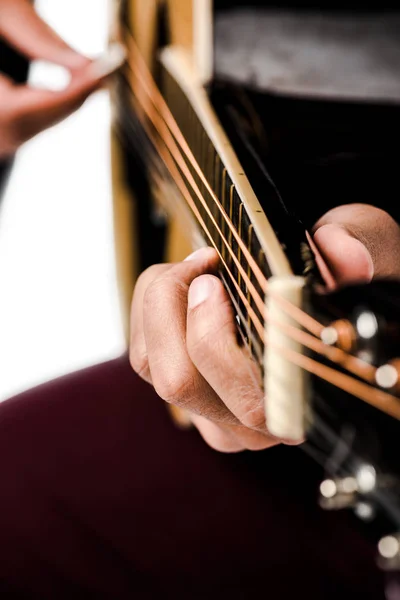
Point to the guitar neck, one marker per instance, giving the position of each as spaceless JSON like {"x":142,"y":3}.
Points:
{"x":228,"y":224}
{"x":197,"y":176}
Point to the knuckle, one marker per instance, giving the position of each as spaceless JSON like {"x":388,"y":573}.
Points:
{"x":152,"y":296}
{"x":160,"y":290}
{"x":253,"y":440}
{"x":218,"y":439}
{"x":260,"y":442}
{"x":175,"y":386}
{"x":253,"y":418}
{"x":248,"y":405}
{"x":148,"y":276}
{"x":223,"y":445}
{"x":153,"y":271}
{"x":139,"y":362}
{"x":250,"y":410}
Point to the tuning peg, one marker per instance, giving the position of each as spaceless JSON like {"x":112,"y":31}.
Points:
{"x":338,"y":493}
{"x":365,"y":511}
{"x":389,"y":552}
{"x":368,"y":336}
{"x":345,"y":333}
{"x":345,"y":492}
{"x":366,"y":324}
{"x":354,"y":336}
{"x":387,"y":376}
{"x":341,"y":334}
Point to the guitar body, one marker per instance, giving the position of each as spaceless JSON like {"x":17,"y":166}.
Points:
{"x":204,"y":153}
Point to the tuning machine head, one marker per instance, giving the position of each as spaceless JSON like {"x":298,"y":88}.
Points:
{"x":360,"y":431}
{"x":389,"y":552}
{"x":367,"y":326}
{"x":351,"y":492}
{"x":361,"y":334}
{"x":387,"y":376}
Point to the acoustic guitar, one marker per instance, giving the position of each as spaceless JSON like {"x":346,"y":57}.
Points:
{"x":235,"y":125}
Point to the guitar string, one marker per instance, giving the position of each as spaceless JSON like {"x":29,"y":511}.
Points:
{"x":155,"y":97}
{"x":128,"y":123}
{"x":165,"y":134}
{"x":173,"y":169}
{"x":320,"y":455}
{"x":377,"y":398}
{"x":161,"y":106}
{"x":355,"y":365}
{"x":349,"y":362}
{"x":320,"y":429}
{"x":361,"y":368}
{"x":240,"y":293}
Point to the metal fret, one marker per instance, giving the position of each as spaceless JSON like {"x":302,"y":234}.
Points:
{"x":225,"y":255}
{"x":231,"y":220}
{"x":203,"y":156}
{"x":216,"y":189}
{"x":240,"y":235}
{"x":213,"y":205}
{"x":235,"y":245}
{"x":220,"y":182}
{"x":217,"y":167}
{"x":249,"y":275}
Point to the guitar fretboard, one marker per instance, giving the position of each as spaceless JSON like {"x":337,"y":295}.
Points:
{"x":225,"y":190}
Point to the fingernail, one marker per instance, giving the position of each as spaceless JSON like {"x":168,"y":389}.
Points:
{"x":367,"y":269}
{"x":200,"y":290}
{"x":109,"y":63}
{"x":347,"y":256}
{"x":197,"y":254}
{"x":76,"y":62}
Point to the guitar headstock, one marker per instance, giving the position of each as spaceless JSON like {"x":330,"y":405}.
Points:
{"x":364,"y":320}
{"x":355,"y":431}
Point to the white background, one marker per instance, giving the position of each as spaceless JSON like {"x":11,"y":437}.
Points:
{"x":59,"y":306}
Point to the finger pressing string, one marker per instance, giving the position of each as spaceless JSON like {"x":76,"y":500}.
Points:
{"x":162,"y":126}
{"x":168,"y":153}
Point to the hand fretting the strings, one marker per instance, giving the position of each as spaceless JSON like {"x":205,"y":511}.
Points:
{"x":174,"y":150}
